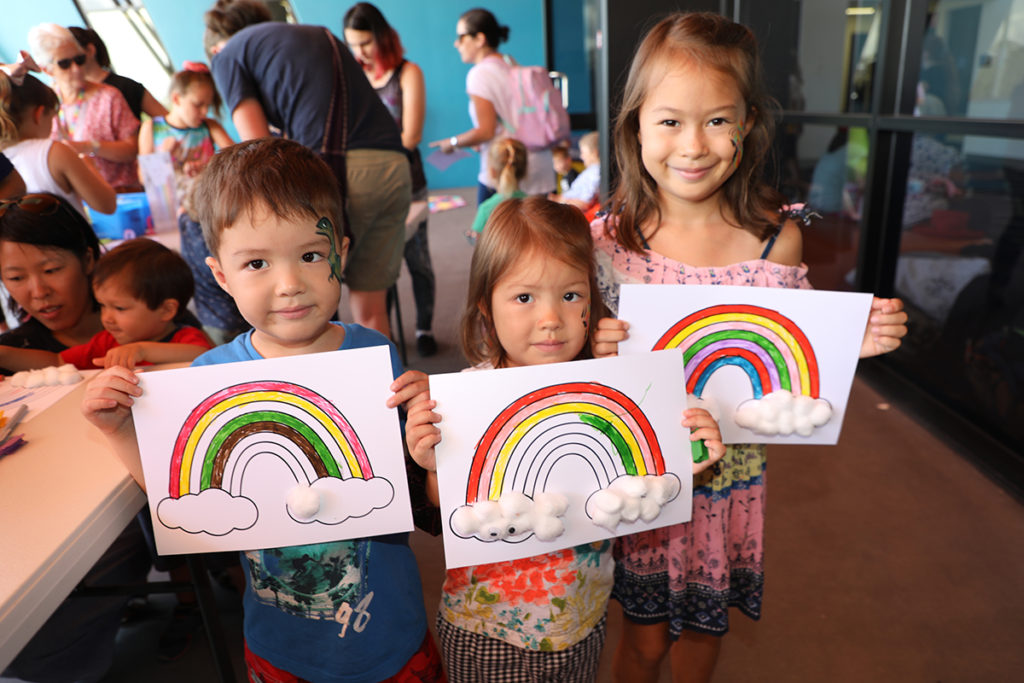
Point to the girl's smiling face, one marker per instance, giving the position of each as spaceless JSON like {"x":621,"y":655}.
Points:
{"x":540,"y":309}
{"x":691,"y":130}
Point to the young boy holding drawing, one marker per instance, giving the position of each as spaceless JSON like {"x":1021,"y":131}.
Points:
{"x":271,"y":216}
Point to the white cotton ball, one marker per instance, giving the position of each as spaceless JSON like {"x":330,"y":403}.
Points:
{"x":821,"y":413}
{"x":548,"y":528}
{"x":464,"y":521}
{"x":608,"y":520}
{"x":606,"y":501}
{"x":34,"y":380}
{"x":747,"y":415}
{"x":18,"y":379}
{"x":662,"y":489}
{"x":803,"y":425}
{"x":515,"y":503}
{"x":494,"y":531}
{"x":649,"y":509}
{"x":487,"y":511}
{"x":630,"y":509}
{"x":67,"y":367}
{"x":520,"y":524}
{"x":629,"y":485}
{"x":786,"y":423}
{"x":50,"y":376}
{"x":303,"y":502}
{"x":803,"y":405}
{"x":69,"y":378}
{"x":765,"y":426}
{"x":551,"y":504}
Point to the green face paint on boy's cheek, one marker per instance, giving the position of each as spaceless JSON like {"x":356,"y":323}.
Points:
{"x":326,"y":228}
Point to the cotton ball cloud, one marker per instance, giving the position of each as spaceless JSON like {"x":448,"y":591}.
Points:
{"x":514,"y":517}
{"x":51,"y":376}
{"x":783,"y":413}
{"x":331,"y":500}
{"x":630,"y":498}
{"x":213,"y":511}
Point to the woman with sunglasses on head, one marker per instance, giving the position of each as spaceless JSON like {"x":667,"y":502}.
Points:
{"x":477,"y":38}
{"x":94,"y":118}
{"x":47,"y":254}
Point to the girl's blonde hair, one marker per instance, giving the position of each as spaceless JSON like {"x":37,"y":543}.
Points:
{"x":17,"y":100}
{"x":507,"y":161}
{"x":715,"y":42}
{"x":523,"y":228}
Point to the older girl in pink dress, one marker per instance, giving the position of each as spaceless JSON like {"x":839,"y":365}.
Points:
{"x":691,"y":208}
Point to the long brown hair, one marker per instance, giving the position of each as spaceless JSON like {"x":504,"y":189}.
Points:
{"x":713,"y":41}
{"x":521,"y":228}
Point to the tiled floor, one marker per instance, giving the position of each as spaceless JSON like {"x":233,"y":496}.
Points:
{"x":889,"y":557}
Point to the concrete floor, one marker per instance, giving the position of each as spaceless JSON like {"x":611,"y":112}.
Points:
{"x":890,"y":558}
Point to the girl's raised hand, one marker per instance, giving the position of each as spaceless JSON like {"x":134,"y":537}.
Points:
{"x":887,"y":325}
{"x":609,"y":332}
{"x":703,"y":427}
{"x":411,"y":387}
{"x":421,"y":434}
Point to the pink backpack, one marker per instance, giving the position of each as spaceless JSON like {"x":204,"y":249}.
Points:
{"x":539,"y":120}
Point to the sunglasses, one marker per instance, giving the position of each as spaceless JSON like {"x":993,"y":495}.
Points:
{"x":39,"y":204}
{"x":65,"y":63}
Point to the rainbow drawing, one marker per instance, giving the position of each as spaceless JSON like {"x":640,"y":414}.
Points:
{"x":769,"y":347}
{"x":206,"y":453}
{"x":522,"y":440}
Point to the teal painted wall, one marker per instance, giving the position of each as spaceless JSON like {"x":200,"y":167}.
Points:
{"x":427,"y":29}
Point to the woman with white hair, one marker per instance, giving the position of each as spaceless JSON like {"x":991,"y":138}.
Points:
{"x":94,"y":118}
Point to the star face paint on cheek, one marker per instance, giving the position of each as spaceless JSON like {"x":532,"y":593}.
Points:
{"x":326,"y":228}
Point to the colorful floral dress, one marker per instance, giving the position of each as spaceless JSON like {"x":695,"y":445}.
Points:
{"x":546,"y":603}
{"x":691,"y":573}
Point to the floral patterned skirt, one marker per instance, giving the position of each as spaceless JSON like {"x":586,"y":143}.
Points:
{"x":690,"y":574}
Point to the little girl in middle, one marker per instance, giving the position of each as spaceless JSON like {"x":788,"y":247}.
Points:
{"x":532,"y":300}
{"x":506,"y":160}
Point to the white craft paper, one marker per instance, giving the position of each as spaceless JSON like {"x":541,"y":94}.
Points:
{"x":555,"y":454}
{"x":832,"y":324}
{"x":329,"y":401}
{"x":37,"y":399}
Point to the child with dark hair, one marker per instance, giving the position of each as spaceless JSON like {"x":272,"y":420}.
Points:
{"x":191,"y":139}
{"x":276,"y":247}
{"x":142,"y":289}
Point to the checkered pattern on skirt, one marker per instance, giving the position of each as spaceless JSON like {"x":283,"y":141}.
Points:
{"x":474,"y":658}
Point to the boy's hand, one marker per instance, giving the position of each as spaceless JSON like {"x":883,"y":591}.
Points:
{"x":410,"y":388}
{"x":126,"y":356}
{"x":421,"y":435}
{"x":887,"y":325}
{"x":109,"y":398}
{"x":609,"y":332}
{"x":704,"y":427}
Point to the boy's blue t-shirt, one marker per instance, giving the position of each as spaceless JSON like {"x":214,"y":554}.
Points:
{"x":333,"y":612}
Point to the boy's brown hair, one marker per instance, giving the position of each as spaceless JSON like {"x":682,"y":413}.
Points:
{"x":283,"y":176}
{"x":149,"y":271}
{"x":521,"y":228}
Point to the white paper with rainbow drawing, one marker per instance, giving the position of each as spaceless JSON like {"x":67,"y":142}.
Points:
{"x":773,"y":365}
{"x":271,"y":453}
{"x":540,"y":458}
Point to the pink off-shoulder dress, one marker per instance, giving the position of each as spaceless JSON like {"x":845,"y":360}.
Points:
{"x":690,"y":574}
